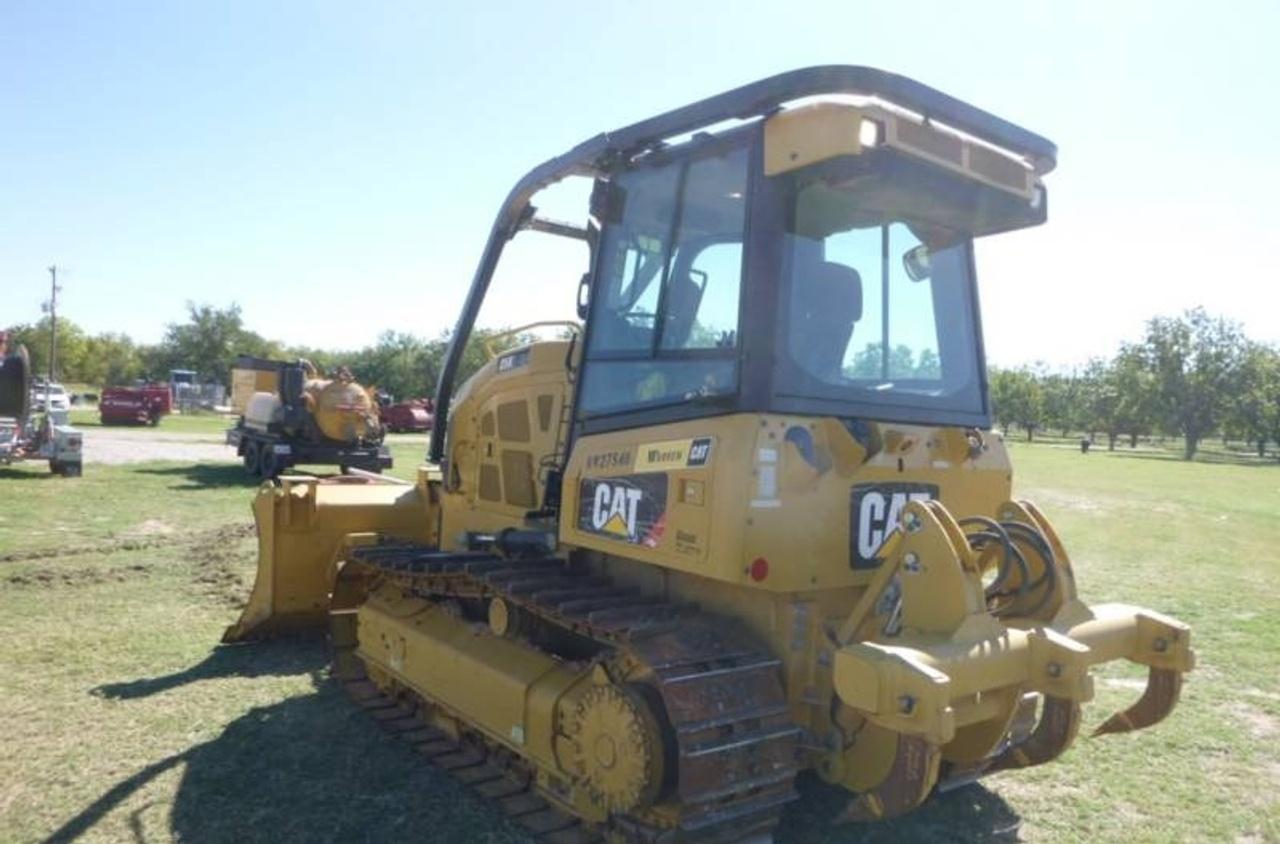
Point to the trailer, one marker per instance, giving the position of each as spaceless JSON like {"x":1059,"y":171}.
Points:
{"x":140,"y":405}
{"x":268,"y":454}
{"x":25,"y":435}
{"x":289,"y":415}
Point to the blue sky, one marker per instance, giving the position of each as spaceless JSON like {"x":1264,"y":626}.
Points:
{"x":334,"y":167}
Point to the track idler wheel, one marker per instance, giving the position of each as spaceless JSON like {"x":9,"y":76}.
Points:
{"x":910,"y":780}
{"x":615,"y":748}
{"x":1164,"y":685}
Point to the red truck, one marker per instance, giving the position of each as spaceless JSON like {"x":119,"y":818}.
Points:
{"x":135,"y":405}
{"x":414,"y":416}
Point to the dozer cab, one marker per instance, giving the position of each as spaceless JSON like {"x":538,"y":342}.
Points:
{"x":750,"y":519}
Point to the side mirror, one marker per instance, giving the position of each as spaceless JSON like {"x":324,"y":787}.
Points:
{"x":584,"y":296}
{"x":916,"y":262}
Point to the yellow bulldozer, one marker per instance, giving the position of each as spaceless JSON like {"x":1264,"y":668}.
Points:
{"x":750,"y":518}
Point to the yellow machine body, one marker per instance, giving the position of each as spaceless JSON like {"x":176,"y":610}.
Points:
{"x":656,"y":626}
{"x":304,"y":526}
{"x":753,"y":528}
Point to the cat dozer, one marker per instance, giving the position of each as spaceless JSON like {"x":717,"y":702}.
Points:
{"x":750,"y":519}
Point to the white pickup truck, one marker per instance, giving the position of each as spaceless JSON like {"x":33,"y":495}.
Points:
{"x":55,"y":395}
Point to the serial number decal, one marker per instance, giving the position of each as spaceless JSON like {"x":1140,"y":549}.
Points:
{"x":874,"y":510}
{"x":674,"y":454}
{"x":688,"y":543}
{"x":629,"y":508}
{"x":620,"y":459}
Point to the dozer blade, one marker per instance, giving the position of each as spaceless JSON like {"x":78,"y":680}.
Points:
{"x":1164,"y":685}
{"x":304,"y":526}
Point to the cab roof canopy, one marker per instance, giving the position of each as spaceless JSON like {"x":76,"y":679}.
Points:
{"x":597,"y":156}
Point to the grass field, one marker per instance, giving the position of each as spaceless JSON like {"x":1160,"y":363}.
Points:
{"x":205,"y":423}
{"x":123,"y":721}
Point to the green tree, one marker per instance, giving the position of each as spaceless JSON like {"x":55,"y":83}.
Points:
{"x":1195,"y":359}
{"x":903,"y":363}
{"x":928,"y":365}
{"x":407,"y":366}
{"x":1062,"y":400}
{"x":111,"y":359}
{"x":1124,"y":396}
{"x":400,"y":364}
{"x":71,"y":362}
{"x":1255,"y":396}
{"x":208,"y":342}
{"x":1017,"y":399}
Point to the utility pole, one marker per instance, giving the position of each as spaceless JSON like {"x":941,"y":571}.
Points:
{"x":53,"y":334}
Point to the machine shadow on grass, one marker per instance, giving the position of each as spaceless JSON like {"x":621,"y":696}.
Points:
{"x":8,"y":474}
{"x":316,"y":768}
{"x":204,"y":475}
{"x":279,"y":657}
{"x":309,"y":768}
{"x":972,"y":813}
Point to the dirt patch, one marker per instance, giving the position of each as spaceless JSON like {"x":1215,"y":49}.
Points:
{"x":77,"y":577}
{"x":154,"y":539}
{"x":151,"y":527}
{"x":215,"y":557}
{"x":215,"y":565}
{"x":1257,"y":723}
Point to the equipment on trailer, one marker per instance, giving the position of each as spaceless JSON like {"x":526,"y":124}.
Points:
{"x":408,"y":417}
{"x":141,"y":405}
{"x":33,"y":436}
{"x":289,"y":415}
{"x":753,"y":520}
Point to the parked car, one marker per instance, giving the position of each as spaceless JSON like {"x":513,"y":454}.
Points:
{"x":410,"y":416}
{"x":56,"y":394}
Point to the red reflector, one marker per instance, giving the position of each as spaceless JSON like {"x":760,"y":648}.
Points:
{"x":759,"y":569}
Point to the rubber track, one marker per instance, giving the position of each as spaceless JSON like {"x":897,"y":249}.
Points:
{"x":736,"y":748}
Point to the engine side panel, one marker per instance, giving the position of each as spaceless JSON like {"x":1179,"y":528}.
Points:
{"x":508,"y":423}
{"x":772,"y":502}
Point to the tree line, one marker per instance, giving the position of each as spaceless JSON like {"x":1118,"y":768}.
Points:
{"x":1193,"y":376}
{"x":210,"y":338}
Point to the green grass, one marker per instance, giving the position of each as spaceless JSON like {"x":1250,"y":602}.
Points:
{"x":112,"y":506}
{"x":196,"y":423}
{"x":124,"y":722}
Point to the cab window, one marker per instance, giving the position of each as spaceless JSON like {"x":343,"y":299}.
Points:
{"x":666,"y":300}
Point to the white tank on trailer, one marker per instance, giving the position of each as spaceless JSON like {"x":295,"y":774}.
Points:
{"x":263,"y":410}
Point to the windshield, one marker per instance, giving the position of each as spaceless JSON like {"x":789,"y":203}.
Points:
{"x":878,"y":308}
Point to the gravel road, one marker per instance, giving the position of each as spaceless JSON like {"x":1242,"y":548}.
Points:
{"x":137,"y":445}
